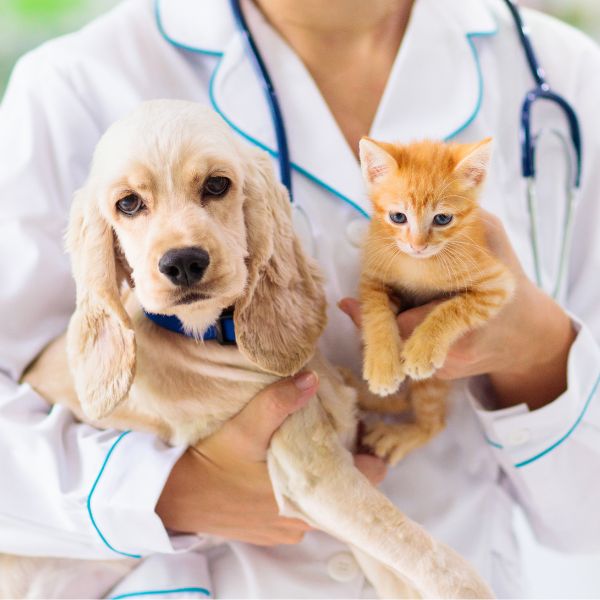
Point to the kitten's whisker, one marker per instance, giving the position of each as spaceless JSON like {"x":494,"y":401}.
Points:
{"x":467,"y":262}
{"x":457,"y":284}
{"x":469,"y":245}
{"x":452,"y":268}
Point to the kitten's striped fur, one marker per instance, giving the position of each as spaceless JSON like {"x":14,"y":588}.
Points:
{"x":417,"y":261}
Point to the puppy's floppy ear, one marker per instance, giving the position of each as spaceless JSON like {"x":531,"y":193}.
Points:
{"x":282,"y":314}
{"x":100,"y":340}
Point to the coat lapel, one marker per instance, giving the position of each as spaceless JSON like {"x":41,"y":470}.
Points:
{"x":435,"y":88}
{"x":434,"y":91}
{"x":204,"y":26}
{"x":318,"y":149}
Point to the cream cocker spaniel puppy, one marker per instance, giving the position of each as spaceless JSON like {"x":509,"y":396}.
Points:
{"x":179,"y":217}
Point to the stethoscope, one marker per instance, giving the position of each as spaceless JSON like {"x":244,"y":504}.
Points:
{"x":541,"y":91}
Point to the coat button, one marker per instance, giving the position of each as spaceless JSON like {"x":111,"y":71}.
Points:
{"x":342,"y":567}
{"x":518,"y":437}
{"x":356,"y":231}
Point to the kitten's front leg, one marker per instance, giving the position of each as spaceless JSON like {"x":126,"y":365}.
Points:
{"x":426,"y":349}
{"x":366,"y":400}
{"x":382,"y":366}
{"x":393,"y":441}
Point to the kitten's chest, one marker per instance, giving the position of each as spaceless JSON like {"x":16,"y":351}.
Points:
{"x":417,"y":282}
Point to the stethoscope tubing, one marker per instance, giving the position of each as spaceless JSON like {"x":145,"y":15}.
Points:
{"x":541,"y":91}
{"x":285,"y":165}
{"x":536,"y":69}
{"x":528,"y":142}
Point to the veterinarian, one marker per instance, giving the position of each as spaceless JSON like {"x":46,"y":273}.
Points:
{"x":524,"y":430}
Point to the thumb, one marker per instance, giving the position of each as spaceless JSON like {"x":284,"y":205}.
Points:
{"x":250,"y":431}
{"x":351,"y":307}
{"x":409,"y":319}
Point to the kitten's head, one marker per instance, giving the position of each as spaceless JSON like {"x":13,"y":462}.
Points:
{"x":425,"y":193}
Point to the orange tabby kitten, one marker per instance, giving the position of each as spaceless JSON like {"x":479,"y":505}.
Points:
{"x":426,"y":241}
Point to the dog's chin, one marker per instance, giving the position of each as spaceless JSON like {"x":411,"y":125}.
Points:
{"x":191,"y":298}
{"x":169,"y":303}
{"x":192,"y":301}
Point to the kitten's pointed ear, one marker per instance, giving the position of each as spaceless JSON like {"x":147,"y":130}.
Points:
{"x":375,"y":161}
{"x":473,"y":162}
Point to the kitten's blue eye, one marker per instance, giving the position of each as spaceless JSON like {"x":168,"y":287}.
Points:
{"x":442,"y":219}
{"x":397,"y":217}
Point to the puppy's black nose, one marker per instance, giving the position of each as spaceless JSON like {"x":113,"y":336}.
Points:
{"x":184,"y":266}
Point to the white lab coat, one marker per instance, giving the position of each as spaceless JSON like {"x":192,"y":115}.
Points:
{"x":70,"y":490}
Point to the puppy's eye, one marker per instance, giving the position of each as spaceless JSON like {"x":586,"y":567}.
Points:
{"x":397,"y":217}
{"x":216,"y":186}
{"x":442,"y":219}
{"x":130,"y":205}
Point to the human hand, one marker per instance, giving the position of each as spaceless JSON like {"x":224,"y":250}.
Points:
{"x":524,"y":349}
{"x":221,"y":486}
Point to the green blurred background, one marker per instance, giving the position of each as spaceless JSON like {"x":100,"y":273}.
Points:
{"x":25,"y":24}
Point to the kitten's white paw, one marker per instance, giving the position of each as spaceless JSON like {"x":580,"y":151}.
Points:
{"x":422,"y":358}
{"x":385,"y":389}
{"x":383,"y":373}
{"x":419,"y":369}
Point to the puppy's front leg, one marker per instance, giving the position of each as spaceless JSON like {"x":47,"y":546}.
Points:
{"x":314,"y":475}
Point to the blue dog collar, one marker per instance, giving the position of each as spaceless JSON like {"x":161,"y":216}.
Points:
{"x":223,"y":330}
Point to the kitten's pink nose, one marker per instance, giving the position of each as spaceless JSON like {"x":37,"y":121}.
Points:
{"x":418,"y":247}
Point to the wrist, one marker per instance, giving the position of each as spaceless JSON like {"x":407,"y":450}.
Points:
{"x":535,"y":372}
{"x":173,"y":506}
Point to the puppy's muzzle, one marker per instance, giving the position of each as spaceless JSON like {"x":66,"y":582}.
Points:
{"x":184,"y":266}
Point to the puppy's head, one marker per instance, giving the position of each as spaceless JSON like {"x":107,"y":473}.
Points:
{"x":195,"y":222}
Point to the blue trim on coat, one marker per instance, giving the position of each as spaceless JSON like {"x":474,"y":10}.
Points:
{"x":479,"y":102}
{"x":552,"y":447}
{"x":564,"y":437}
{"x":273,"y":152}
{"x":156,"y":592}
{"x":492,"y":443}
{"x":294,"y":166}
{"x":89,"y":500}
{"x":173,"y":42}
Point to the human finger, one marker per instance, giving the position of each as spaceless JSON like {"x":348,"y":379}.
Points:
{"x":351,"y":306}
{"x":372,"y":467}
{"x":275,"y":537}
{"x":499,"y":242}
{"x":294,"y":524}
{"x":250,"y":431}
{"x":409,"y":319}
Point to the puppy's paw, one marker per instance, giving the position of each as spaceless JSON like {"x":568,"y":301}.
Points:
{"x":386,"y":441}
{"x":383,"y":371}
{"x":422,"y":357}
